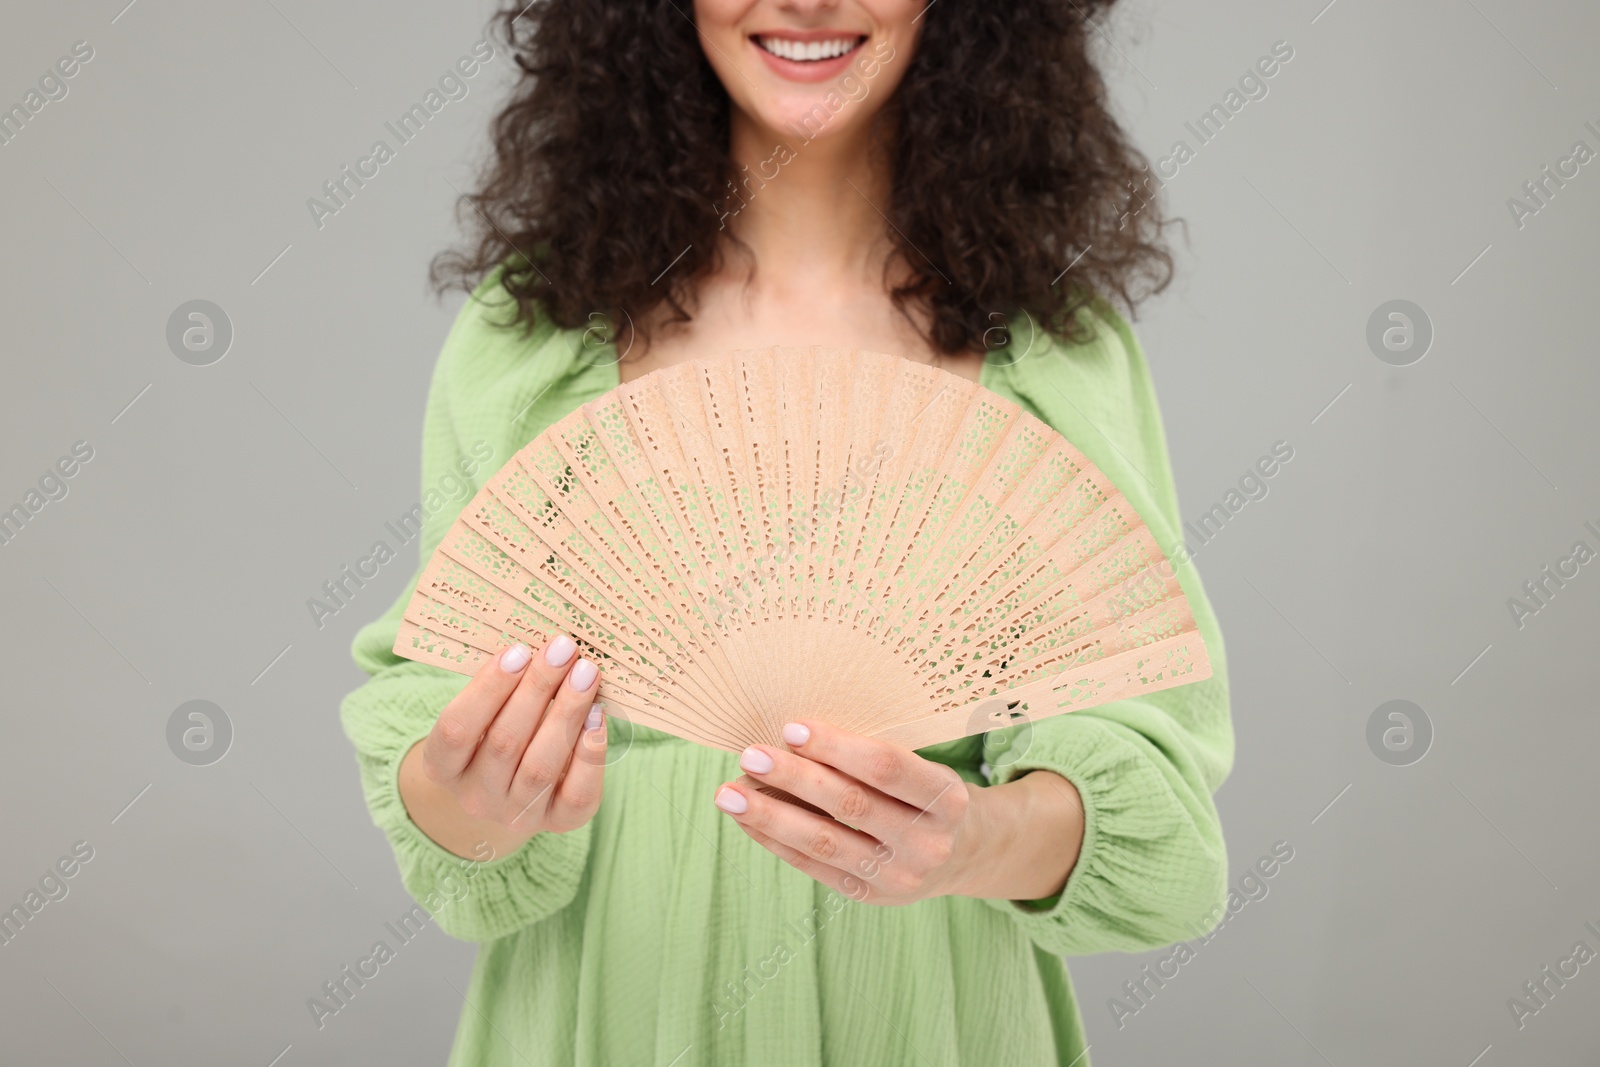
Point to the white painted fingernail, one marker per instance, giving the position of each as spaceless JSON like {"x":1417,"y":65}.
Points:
{"x":583,"y":675}
{"x":796,"y":734}
{"x":596,"y":718}
{"x":732,"y":801}
{"x":560,"y":650}
{"x":755,"y":761}
{"x":515,"y":658}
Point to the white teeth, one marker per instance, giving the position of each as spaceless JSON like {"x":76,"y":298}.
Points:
{"x":807,"y":51}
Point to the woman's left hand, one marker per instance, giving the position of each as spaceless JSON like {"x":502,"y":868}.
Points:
{"x":903,"y":828}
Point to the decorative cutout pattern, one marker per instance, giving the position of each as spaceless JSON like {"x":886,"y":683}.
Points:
{"x":812,"y":532}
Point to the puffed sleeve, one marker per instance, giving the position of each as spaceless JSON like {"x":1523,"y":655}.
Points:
{"x":464,"y":440}
{"x":1152,"y":868}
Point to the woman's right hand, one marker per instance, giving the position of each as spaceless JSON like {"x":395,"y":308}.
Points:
{"x":520,"y":750}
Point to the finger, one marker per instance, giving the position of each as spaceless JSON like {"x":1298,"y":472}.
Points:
{"x":508,"y":735}
{"x":547,"y":755}
{"x":824,"y":840}
{"x":851,"y":802}
{"x":577,"y":798}
{"x":461,"y":725}
{"x":832,"y":877}
{"x":892,"y":770}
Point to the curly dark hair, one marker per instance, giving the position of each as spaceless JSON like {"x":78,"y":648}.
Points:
{"x":612,"y":157}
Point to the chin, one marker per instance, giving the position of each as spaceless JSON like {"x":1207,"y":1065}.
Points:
{"x":808,"y":116}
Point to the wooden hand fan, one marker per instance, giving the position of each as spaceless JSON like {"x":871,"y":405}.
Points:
{"x":812,"y":533}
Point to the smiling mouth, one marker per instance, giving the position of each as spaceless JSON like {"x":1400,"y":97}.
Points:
{"x":809,"y":51}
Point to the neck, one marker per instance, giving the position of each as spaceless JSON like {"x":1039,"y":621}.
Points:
{"x":810,"y":208}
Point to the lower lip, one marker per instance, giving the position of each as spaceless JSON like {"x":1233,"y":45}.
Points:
{"x":819,"y":70}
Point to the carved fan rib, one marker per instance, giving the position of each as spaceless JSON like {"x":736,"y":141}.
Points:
{"x":834,"y":534}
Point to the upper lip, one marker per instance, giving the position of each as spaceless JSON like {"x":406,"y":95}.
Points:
{"x":810,"y":35}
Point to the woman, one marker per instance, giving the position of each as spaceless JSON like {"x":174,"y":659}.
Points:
{"x":943,"y":182}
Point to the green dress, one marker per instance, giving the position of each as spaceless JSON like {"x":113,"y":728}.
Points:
{"x":660,"y":934}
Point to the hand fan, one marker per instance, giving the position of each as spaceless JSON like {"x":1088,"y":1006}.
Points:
{"x":812,"y":532}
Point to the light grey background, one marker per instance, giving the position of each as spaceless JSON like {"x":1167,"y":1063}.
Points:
{"x":1419,"y":899}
